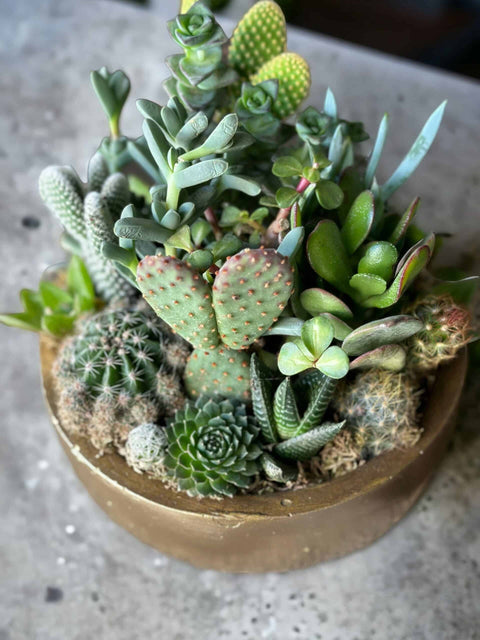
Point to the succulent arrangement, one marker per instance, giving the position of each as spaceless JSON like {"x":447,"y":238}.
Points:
{"x":243,"y":306}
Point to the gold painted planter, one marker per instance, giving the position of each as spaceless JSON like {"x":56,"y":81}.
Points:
{"x":274,"y":532}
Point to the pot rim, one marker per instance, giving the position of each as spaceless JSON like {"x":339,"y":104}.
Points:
{"x":374,"y":473}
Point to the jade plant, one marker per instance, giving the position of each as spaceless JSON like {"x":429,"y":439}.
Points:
{"x":284,"y":336}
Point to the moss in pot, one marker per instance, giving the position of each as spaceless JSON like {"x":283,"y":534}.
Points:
{"x":242,"y":318}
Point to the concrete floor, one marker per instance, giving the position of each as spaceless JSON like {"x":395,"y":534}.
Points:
{"x":66,"y":571}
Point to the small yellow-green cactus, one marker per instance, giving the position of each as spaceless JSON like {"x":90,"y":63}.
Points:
{"x":259,"y":36}
{"x":293,"y":75}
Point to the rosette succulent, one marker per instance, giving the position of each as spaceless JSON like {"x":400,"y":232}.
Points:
{"x":212,"y":448}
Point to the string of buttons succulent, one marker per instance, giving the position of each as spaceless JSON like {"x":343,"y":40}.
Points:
{"x":243,"y":309}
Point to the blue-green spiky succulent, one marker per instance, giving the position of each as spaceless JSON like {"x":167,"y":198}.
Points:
{"x":212,"y":448}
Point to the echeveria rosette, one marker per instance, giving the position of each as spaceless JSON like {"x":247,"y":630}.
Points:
{"x":254,"y":109}
{"x":196,"y":28}
{"x":212,"y":448}
{"x":314,"y":350}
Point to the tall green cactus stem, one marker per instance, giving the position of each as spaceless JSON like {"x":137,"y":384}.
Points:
{"x":97,"y":172}
{"x":293,"y":75}
{"x":121,"y":369}
{"x":88,"y":219}
{"x":218,"y":372}
{"x":380,"y":408}
{"x":249,"y":293}
{"x":180,"y":296}
{"x":259,"y":36}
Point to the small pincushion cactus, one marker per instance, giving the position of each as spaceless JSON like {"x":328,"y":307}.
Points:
{"x":447,"y":328}
{"x":121,"y":369}
{"x":380,"y":408}
{"x":212,"y":448}
{"x":145,"y":449}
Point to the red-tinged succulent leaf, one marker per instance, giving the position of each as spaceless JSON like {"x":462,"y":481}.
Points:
{"x":377,"y":333}
{"x":401,"y":227}
{"x":328,"y":256}
{"x":410,"y":269}
{"x":391,"y":357}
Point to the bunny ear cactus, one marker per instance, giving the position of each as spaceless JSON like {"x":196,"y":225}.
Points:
{"x":259,"y":36}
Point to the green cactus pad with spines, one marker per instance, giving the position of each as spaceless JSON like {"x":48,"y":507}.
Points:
{"x":180,"y":296}
{"x":249,"y":293}
{"x":293,"y":75}
{"x":220,"y":371}
{"x":116,"y":193}
{"x":61,"y":190}
{"x":259,"y":36}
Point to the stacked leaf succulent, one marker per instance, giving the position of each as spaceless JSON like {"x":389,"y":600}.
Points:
{"x":284,"y":303}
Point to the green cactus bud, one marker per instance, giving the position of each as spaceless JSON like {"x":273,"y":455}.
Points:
{"x":249,"y":293}
{"x":293,"y":75}
{"x":121,"y":369}
{"x":97,"y":172}
{"x":212,"y":448}
{"x":380,"y":408}
{"x":446,"y":329}
{"x":218,"y":372}
{"x":259,"y":36}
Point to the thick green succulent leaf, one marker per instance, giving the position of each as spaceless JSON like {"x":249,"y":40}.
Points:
{"x":379,"y":260}
{"x":285,"y":411}
{"x":328,"y":256}
{"x":317,"y":301}
{"x":58,"y":324}
{"x":54,"y":297}
{"x":157,"y":145}
{"x":329,"y":194}
{"x":359,"y":221}
{"x":391,"y":357}
{"x":286,"y":196}
{"x":412,"y":264}
{"x":150,"y":110}
{"x":78,"y":279}
{"x":200,"y":260}
{"x":333,"y":363}
{"x":330,"y":105}
{"x":217,"y":141}
{"x":461,"y":290}
{"x":194,"y":127}
{"x":181,"y":239}
{"x":317,"y":334}
{"x":199,"y":173}
{"x":277,"y":471}
{"x":375,"y":334}
{"x":304,"y":447}
{"x":238,"y":183}
{"x":368,"y":284}
{"x":377,"y":151}
{"x":416,"y":154}
{"x":261,"y":401}
{"x":320,"y":396}
{"x":351,"y":183}
{"x":287,"y":327}
{"x":141,"y":229}
{"x":287,"y":167}
{"x":292,"y":360}
{"x":340,"y":328}
{"x":401,"y":227}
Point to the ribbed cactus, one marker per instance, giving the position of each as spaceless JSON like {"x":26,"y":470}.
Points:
{"x":293,"y":75}
{"x":145,"y":449}
{"x":88,"y":218}
{"x":259,"y":36}
{"x":121,"y":369}
{"x":212,"y":448}
{"x":446,"y":329}
{"x":380,"y":408}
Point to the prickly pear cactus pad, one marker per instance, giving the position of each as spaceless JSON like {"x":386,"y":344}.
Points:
{"x":250,"y":292}
{"x":245,"y":310}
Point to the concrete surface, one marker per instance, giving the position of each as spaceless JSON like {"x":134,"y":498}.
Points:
{"x":66,"y":571}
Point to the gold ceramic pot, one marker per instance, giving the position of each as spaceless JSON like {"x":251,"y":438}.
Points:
{"x":274,"y":532}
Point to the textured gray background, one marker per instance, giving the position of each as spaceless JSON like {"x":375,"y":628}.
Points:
{"x":66,"y":571}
